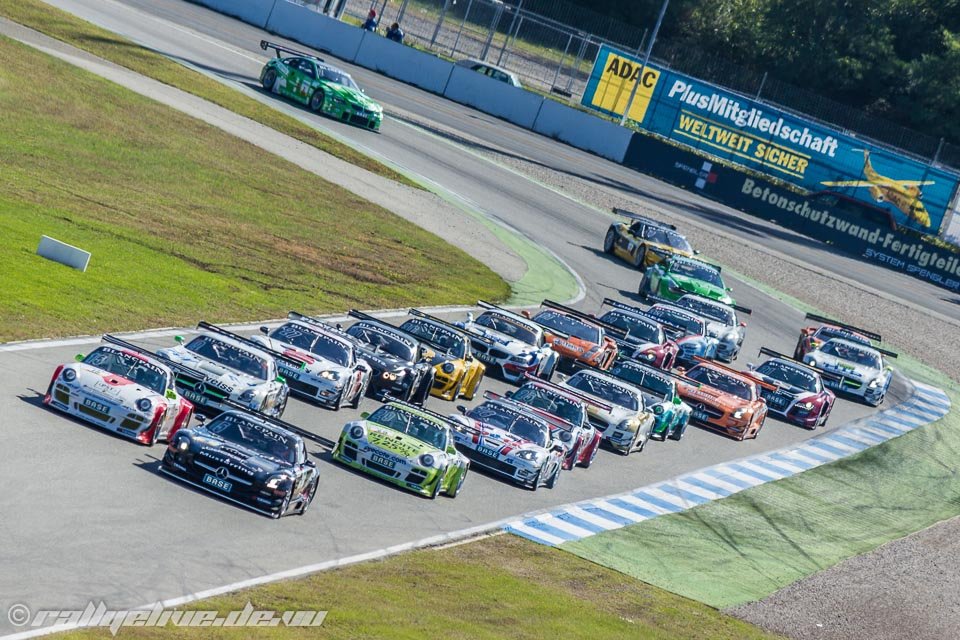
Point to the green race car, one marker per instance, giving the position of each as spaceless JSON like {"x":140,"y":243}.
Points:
{"x":672,"y":278}
{"x":323,"y":88}
{"x":406,"y":445}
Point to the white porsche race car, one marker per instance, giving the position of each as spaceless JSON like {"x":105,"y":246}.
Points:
{"x":124,"y":389}
{"x":511,"y":343}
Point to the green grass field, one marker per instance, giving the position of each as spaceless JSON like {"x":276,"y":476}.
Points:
{"x":184,"y":221}
{"x":502,"y":587}
{"x":109,"y":46}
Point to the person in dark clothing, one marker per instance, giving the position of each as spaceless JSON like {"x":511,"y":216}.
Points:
{"x":395,"y":33}
{"x":371,"y":22}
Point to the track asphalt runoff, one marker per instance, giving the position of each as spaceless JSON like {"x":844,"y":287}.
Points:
{"x":584,"y":519}
{"x":68,"y":545}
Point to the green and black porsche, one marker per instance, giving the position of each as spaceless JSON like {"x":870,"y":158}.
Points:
{"x":320,"y":86}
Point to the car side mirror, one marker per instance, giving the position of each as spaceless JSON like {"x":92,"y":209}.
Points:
{"x":743,"y":324}
{"x":508,"y":394}
{"x":78,"y":357}
{"x":281,"y":379}
{"x":525,"y":313}
{"x":729,"y":290}
{"x":557,"y":448}
{"x":751,"y":365}
{"x":696,"y":252}
{"x":178,"y":339}
{"x":364,"y":415}
{"x":462,"y":409}
{"x":677,"y":400}
{"x":199,"y":417}
{"x":170,"y":394}
{"x":681,"y":370}
{"x":264,"y":330}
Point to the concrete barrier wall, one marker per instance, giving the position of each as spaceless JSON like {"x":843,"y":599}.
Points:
{"x":583,"y":130}
{"x":494,"y":97}
{"x":316,"y":30}
{"x":254,"y":12}
{"x":404,"y":63}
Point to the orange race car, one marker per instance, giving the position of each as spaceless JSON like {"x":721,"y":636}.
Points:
{"x":724,"y":399}
{"x":578,"y":338}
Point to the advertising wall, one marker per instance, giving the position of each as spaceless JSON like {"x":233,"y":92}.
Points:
{"x":848,"y":224}
{"x":764,"y":138}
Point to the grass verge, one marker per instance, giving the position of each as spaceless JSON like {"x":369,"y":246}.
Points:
{"x":502,"y":587}
{"x":751,"y":544}
{"x":65,"y":27}
{"x":184,"y":221}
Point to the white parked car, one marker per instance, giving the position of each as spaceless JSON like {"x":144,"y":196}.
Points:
{"x":492,"y":71}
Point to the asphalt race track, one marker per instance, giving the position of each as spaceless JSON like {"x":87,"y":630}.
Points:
{"x":87,"y":515}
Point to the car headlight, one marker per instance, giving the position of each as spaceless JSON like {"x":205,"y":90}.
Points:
{"x":524,"y":358}
{"x":739,"y":413}
{"x":356,"y":432}
{"x":276,"y":481}
{"x":528,"y":455}
{"x":730,"y":337}
{"x":330,"y":375}
{"x":448,"y":367}
{"x":427,"y":460}
{"x":247,"y":396}
{"x":874,"y":383}
{"x":389,"y":375}
{"x":183,"y":444}
{"x":812,"y":362}
{"x":657,"y":410}
{"x":566,"y":436}
{"x":69,"y":375}
{"x":144,"y":404}
{"x":805,"y":406}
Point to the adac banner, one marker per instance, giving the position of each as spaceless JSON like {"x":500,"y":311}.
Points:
{"x":761,"y":137}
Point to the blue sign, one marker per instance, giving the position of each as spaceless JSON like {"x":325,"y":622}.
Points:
{"x":767,"y":139}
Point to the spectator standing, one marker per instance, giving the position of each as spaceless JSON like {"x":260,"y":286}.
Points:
{"x":395,"y":33}
{"x":371,"y":22}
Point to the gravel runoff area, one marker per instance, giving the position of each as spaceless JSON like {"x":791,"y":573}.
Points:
{"x":423,"y":208}
{"x":906,"y":588}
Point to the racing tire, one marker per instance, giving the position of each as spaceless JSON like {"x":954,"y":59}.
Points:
{"x":642,"y":289}
{"x":552,"y":482}
{"x":362,"y":391}
{"x":456,"y":391}
{"x":608,"y":241}
{"x":269,"y":80}
{"x":536,"y":481}
{"x":280,"y":408}
{"x":547,"y":376}
{"x":640,"y":257}
{"x":574,"y":458}
{"x":336,"y":406}
{"x":155,"y":436}
{"x":419,"y":396}
{"x":586,"y":465}
{"x":878,"y":402}
{"x":643,"y":443}
{"x":677,"y":434}
{"x":317,"y":98}
{"x":309,"y":499}
{"x":456,"y":489}
{"x":473,"y":393}
{"x":276,"y":515}
{"x":436,"y":486}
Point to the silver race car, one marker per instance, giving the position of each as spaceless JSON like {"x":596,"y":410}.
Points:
{"x":722,"y":323}
{"x":625,"y":423}
{"x":854,"y":368}
{"x":235,"y":367}
{"x":330,"y":372}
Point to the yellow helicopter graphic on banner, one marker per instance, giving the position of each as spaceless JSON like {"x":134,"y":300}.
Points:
{"x":905,"y":195}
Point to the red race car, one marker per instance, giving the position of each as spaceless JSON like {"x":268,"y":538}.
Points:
{"x":800,"y":397}
{"x":812,"y":337}
{"x":566,"y":411}
{"x":641,"y":337}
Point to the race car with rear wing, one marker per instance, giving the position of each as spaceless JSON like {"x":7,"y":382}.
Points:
{"x":457,"y":374}
{"x":509,"y":343}
{"x":234,"y":368}
{"x":509,"y":439}
{"x":660,"y":395}
{"x":689,"y":332}
{"x":330,"y":371}
{"x":800,"y":397}
{"x":122,"y":388}
{"x":627,"y":424}
{"x":722,"y":323}
{"x":853,"y":368}
{"x":326,"y":89}
{"x":566,"y":411}
{"x":725,"y":400}
{"x":643,"y":241}
{"x":406,"y":445}
{"x":812,"y":337}
{"x":577,"y":337}
{"x":641,"y":337}
{"x":399,"y":362}
{"x":675,"y":277}
{"x":247,"y":458}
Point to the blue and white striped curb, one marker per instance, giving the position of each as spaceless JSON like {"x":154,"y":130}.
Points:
{"x":584,"y":519}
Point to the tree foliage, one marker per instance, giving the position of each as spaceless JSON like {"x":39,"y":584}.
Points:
{"x":896,"y":59}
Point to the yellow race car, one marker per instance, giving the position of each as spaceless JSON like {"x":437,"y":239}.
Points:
{"x":457,"y":373}
{"x":644,"y":241}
